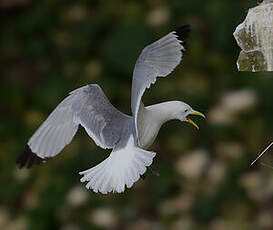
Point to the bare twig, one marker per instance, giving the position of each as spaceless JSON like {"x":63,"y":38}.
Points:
{"x":262,"y":153}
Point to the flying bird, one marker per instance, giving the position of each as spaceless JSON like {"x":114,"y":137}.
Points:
{"x":129,"y":137}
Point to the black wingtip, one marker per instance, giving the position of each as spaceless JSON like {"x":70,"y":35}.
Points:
{"x":183,"y":33}
{"x":28,"y":158}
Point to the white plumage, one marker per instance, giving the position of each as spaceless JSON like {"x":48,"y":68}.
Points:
{"x":127,"y":136}
{"x":122,"y":167}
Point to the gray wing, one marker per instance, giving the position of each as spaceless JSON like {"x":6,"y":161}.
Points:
{"x":156,"y":60}
{"x":87,"y":106}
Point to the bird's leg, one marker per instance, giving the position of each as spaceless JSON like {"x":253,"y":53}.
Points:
{"x":154,"y":171}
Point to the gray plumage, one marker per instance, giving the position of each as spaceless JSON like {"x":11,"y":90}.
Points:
{"x":110,"y":128}
{"x":156,"y":60}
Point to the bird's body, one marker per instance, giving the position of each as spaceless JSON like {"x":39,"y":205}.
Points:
{"x":129,"y":137}
{"x":148,"y":127}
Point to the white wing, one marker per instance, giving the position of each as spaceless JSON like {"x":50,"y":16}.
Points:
{"x":87,"y":106}
{"x":156,"y":60}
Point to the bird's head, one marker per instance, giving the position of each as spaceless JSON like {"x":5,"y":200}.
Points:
{"x":184,"y":111}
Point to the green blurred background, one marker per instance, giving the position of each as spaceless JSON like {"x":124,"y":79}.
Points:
{"x":48,"y":48}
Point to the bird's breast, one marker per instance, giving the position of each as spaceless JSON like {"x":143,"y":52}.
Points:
{"x":149,"y":123}
{"x":147,"y":135}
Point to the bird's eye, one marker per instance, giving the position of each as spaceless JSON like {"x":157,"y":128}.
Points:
{"x":186,"y":110}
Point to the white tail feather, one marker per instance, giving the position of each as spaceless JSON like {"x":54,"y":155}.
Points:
{"x":122,"y":167}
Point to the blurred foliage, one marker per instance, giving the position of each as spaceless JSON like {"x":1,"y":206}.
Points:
{"x":48,"y":48}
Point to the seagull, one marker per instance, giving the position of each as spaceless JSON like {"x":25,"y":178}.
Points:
{"x":129,"y":137}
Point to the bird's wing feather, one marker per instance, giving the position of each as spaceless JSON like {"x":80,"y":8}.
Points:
{"x":156,"y":60}
{"x":101,"y":120}
{"x":87,"y":106}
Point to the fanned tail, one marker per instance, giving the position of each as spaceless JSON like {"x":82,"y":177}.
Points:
{"x":122,"y":167}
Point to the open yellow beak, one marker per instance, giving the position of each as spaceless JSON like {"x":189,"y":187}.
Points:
{"x":195,"y":113}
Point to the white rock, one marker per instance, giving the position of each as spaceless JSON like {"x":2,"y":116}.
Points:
{"x":254,"y":36}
